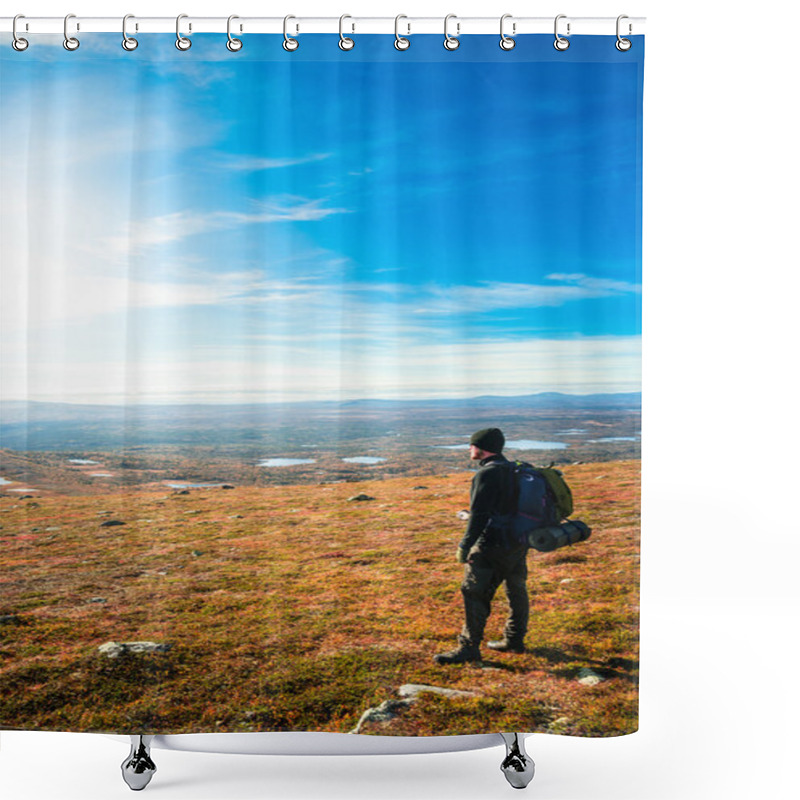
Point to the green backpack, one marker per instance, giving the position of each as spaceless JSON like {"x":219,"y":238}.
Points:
{"x":560,"y":490}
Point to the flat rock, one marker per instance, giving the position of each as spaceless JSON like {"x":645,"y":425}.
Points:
{"x":464,"y":515}
{"x":359,"y":498}
{"x":116,"y":649}
{"x":413,"y":690}
{"x":110,"y":523}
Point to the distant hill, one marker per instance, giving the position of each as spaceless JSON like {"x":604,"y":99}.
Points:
{"x":555,"y":400}
{"x":17,"y":412}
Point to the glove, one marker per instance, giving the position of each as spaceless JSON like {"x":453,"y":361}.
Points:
{"x":461,"y":555}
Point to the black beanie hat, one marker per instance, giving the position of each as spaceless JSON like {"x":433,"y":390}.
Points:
{"x":489,"y":439}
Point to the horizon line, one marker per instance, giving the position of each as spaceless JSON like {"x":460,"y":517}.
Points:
{"x":323,"y":402}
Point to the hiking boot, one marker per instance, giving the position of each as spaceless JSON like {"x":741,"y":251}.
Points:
{"x":464,"y":655}
{"x":506,"y":646}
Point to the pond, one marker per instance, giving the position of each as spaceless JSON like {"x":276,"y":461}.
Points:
{"x":532,"y":444}
{"x":285,"y":462}
{"x":182,"y":484}
{"x":364,"y":460}
{"x":517,"y":444}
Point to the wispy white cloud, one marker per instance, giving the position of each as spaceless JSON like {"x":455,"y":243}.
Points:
{"x":180,"y":225}
{"x":494,"y":295}
{"x":257,"y":164}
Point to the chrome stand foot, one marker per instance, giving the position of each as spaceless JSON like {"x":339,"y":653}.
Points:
{"x":518,"y":766}
{"x":138,"y":768}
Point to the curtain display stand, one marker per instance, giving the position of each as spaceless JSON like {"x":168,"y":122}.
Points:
{"x":138,"y":768}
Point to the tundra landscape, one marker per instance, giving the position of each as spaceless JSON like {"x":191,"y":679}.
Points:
{"x":293,"y":568}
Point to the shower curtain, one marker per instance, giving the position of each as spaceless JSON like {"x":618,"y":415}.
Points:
{"x":269,"y":317}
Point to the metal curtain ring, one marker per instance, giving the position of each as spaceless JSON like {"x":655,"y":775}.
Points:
{"x":451,"y":42}
{"x":345,"y":43}
{"x":289,"y":44}
{"x":401,"y":42}
{"x":623,"y":44}
{"x":233,"y":44}
{"x":561,"y":43}
{"x":506,"y":42}
{"x":128,"y":42}
{"x":70,"y":42}
{"x":181,"y":42}
{"x":17,"y":42}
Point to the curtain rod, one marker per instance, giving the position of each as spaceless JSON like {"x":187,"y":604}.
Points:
{"x":513,"y":26}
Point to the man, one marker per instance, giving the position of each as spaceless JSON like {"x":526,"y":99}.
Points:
{"x":490,"y":556}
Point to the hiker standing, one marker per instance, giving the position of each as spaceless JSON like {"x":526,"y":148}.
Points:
{"x":490,"y":556}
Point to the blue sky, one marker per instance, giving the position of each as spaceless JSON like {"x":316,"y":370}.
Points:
{"x":204,"y":227}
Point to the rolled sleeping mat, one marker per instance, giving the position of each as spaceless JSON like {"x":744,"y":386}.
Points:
{"x":555,"y":536}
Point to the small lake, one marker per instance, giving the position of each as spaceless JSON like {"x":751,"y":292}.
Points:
{"x":532,"y":444}
{"x":181,"y":484}
{"x":285,"y":462}
{"x":572,"y":432}
{"x":616,"y":439}
{"x":101,"y":475}
{"x":4,"y":482}
{"x":85,"y":461}
{"x":364,"y":460}
{"x":518,"y":444}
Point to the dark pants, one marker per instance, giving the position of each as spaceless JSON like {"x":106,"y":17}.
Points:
{"x":485,"y":570}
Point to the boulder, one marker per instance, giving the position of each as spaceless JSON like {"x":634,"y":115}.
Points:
{"x":117,"y":649}
{"x":383,"y":713}
{"x":588,"y":677}
{"x":409,"y":693}
{"x":359,"y":498}
{"x":110,"y":523}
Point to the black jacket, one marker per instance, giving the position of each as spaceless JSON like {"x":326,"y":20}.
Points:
{"x":491,"y":493}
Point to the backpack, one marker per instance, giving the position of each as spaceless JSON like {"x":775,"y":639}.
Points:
{"x":540,"y":498}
